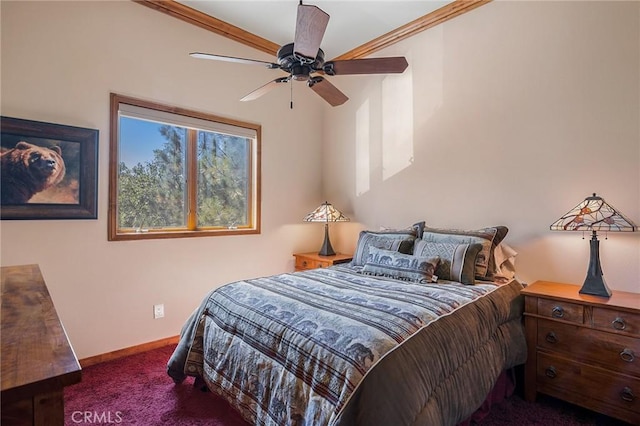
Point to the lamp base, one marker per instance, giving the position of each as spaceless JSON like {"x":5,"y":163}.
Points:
{"x":326,"y":249}
{"x":594,"y":283}
{"x":595,"y":286}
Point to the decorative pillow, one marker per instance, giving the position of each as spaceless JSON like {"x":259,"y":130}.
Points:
{"x":417,"y":228}
{"x":488,"y":237}
{"x":400,"y":266}
{"x":401,"y":241}
{"x":457,"y":261}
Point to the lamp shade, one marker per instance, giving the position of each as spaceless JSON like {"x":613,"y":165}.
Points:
{"x":594,"y":214}
{"x":326,"y":213}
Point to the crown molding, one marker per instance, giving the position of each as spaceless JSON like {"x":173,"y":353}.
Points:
{"x":438,"y":16}
{"x":202,"y":20}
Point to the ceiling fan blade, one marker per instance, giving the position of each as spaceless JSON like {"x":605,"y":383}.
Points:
{"x":200,"y":55}
{"x":391,"y":65}
{"x":264,"y":89}
{"x":311,"y":24}
{"x":327,"y":91}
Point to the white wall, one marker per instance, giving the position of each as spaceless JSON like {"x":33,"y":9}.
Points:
{"x":60,"y":61}
{"x":510,"y":114}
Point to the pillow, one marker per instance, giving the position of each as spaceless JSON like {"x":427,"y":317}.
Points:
{"x":401,"y":241}
{"x":488,"y":237}
{"x":457,"y":261}
{"x":417,"y":228}
{"x":400,"y":266}
{"x":505,"y":261}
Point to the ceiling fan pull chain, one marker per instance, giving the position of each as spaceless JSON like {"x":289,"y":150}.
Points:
{"x":291,"y":92}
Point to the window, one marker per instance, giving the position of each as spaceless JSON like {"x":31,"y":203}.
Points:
{"x":180,"y":173}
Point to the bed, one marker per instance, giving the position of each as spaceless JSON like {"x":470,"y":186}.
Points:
{"x":411,"y":332}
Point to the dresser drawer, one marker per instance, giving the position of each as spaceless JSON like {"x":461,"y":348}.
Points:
{"x":558,"y":309}
{"x":302,"y":263}
{"x":607,"y":350}
{"x":591,"y":382}
{"x":314,"y":260}
{"x":616,"y":321}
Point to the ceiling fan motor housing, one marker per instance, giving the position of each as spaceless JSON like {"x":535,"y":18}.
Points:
{"x":299,"y":67}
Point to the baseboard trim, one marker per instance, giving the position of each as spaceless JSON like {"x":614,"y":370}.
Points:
{"x":110,"y":356}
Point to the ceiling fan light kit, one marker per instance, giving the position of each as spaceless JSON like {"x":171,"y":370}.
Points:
{"x":304,"y":57}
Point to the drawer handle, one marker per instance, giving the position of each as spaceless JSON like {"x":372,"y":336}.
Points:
{"x":551,"y":372}
{"x":305,"y":263}
{"x":627,"y":355}
{"x":557,"y":312}
{"x":627,"y":395}
{"x":552,"y":338}
{"x":619,"y":324}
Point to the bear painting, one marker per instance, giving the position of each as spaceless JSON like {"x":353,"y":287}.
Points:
{"x":28,"y":169}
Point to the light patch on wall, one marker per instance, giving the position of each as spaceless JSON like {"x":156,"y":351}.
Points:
{"x":428,"y":58}
{"x":362,"y":148}
{"x":397,"y":123}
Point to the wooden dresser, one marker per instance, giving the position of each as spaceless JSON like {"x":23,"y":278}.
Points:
{"x":584,"y":349}
{"x":37,"y":358}
{"x":314,"y":260}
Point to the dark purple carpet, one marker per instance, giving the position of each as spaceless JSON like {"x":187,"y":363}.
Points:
{"x":137,"y":391}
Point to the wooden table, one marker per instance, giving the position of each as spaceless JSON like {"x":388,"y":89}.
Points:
{"x":37,"y":358}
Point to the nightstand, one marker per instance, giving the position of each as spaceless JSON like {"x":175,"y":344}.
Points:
{"x":584,"y":349}
{"x":314,"y":260}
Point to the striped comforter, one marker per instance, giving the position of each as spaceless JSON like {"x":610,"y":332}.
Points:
{"x":336,"y":347}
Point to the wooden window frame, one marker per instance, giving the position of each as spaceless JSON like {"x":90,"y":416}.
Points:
{"x":115,"y":234}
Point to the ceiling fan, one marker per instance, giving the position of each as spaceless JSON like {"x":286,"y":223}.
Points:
{"x":302,"y":58}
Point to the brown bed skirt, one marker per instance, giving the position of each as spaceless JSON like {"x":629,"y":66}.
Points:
{"x":503,"y":388}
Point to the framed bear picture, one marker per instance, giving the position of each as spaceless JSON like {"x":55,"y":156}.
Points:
{"x":47,"y":171}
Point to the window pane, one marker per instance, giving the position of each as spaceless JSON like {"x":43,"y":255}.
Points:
{"x":224,"y":180}
{"x":151,"y":175}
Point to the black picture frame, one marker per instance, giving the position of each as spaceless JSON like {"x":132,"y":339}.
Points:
{"x":75,"y":196}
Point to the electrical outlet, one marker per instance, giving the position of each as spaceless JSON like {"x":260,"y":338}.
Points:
{"x":158,"y":311}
